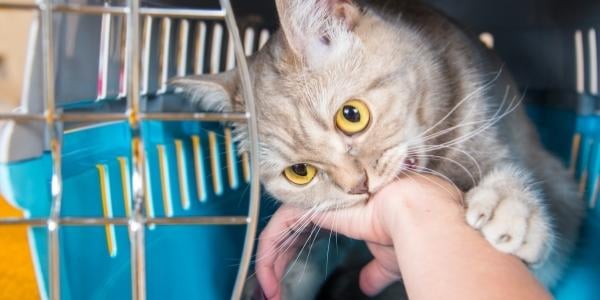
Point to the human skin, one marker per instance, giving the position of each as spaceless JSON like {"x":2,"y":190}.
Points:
{"x":415,"y":229}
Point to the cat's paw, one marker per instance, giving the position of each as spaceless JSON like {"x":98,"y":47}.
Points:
{"x":511,"y":218}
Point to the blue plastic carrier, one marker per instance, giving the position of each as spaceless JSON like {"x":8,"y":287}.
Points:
{"x":193,"y":170}
{"x":127,"y":190}
{"x":179,"y":222}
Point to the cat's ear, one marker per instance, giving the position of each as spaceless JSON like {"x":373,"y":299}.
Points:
{"x":214,"y":92}
{"x":317,"y":29}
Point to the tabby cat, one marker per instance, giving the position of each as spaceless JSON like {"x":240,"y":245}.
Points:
{"x":353,"y":94}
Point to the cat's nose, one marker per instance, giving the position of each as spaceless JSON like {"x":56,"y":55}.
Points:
{"x":362,"y":187}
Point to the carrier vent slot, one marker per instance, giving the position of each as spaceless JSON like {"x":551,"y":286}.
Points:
{"x":230,"y":56}
{"x":182,"y":49}
{"x":107,"y":210}
{"x":126,"y":186}
{"x":199,"y":168}
{"x":249,"y":36}
{"x":264,"y":37}
{"x":246,"y":166}
{"x":165,"y":180}
{"x":184,"y":189}
{"x":217,"y":45}
{"x":146,"y":49}
{"x":105,"y":33}
{"x":593,"y":61}
{"x":200,"y":48}
{"x":215,"y":163}
{"x":232,"y":170}
{"x":123,"y":59}
{"x":163,"y":70}
{"x":149,"y":198}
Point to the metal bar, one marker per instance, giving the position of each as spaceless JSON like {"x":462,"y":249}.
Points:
{"x":54,"y":132}
{"x":208,"y":117}
{"x":109,"y":117}
{"x":90,"y":9}
{"x":205,"y":14}
{"x":22,"y":117}
{"x":233,"y":220}
{"x":93,"y":117}
{"x":136,"y":220}
{"x":19,"y":6}
{"x":254,"y":205}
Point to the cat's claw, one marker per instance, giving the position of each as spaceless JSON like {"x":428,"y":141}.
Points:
{"x":512,"y":220}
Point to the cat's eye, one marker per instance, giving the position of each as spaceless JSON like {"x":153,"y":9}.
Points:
{"x":353,"y":117}
{"x":300,"y":174}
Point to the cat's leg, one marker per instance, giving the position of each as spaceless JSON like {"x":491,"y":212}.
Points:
{"x":511,"y":214}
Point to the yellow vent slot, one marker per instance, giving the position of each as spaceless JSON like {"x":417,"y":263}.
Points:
{"x":246,"y":166}
{"x":232,"y":172}
{"x":199,"y":168}
{"x":164,"y":180}
{"x":215,"y":163}
{"x":111,"y":242}
{"x":126,"y":187}
{"x":184,"y":189}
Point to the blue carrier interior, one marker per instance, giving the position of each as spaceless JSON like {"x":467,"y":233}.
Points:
{"x":193,"y":168}
{"x":191,"y":171}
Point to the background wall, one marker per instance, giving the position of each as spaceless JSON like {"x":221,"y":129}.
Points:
{"x":14,"y":28}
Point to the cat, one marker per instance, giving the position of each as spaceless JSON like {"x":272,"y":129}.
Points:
{"x":353,"y":94}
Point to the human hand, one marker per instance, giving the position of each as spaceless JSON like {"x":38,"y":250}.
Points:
{"x":378,"y":222}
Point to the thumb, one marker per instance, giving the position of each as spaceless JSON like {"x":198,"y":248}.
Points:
{"x":374,"y":278}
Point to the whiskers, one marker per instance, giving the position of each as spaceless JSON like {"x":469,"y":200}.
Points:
{"x":302,"y":234}
{"x":421,"y":146}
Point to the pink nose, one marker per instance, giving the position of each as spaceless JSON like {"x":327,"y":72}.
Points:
{"x":362,"y":187}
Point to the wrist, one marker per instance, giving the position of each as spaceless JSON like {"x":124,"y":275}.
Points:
{"x":422,"y":206}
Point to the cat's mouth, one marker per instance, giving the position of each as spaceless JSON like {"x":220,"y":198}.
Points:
{"x":411,"y":163}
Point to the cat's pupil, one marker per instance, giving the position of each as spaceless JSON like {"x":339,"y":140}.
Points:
{"x":351,"y":114}
{"x":300,"y":169}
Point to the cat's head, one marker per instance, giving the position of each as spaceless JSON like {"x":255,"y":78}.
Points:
{"x":342,"y":95}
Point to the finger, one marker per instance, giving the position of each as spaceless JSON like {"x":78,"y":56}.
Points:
{"x":374,"y":278}
{"x":274,"y":250}
{"x":386,"y":255}
{"x":356,"y":222}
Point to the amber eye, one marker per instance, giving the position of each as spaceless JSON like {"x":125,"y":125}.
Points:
{"x":300,"y":174}
{"x":353,"y":117}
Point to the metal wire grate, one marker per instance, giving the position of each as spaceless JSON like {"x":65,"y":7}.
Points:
{"x":54,"y":119}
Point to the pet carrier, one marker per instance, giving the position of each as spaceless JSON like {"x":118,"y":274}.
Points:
{"x":127,"y":193}
{"x":113,"y":171}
